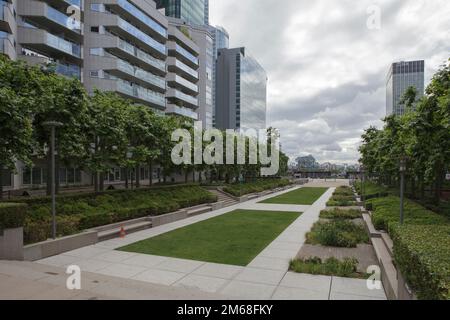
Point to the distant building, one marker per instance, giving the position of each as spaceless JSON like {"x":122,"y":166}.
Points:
{"x":401,"y":76}
{"x":191,"y":11}
{"x":241,"y":91}
{"x":307,"y":162}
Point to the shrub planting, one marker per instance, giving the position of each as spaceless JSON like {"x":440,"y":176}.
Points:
{"x":12,"y":215}
{"x":330,"y":267}
{"x":421,"y":245}
{"x":80,"y":212}
{"x":343,"y":191}
{"x":337,"y":233}
{"x":337,"y":213}
{"x":239,"y":190}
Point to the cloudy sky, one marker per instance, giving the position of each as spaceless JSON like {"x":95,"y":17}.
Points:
{"x":326,"y":68}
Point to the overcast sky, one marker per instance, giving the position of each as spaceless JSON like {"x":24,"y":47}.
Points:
{"x":326,"y":68}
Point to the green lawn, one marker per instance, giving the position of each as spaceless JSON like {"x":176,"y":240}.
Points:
{"x":306,"y":196}
{"x":235,"y":238}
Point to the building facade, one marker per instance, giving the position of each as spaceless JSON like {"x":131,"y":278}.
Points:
{"x":241,"y":91}
{"x":221,"y":40}
{"x":401,"y":76}
{"x":190,"y":11}
{"x":123,"y":46}
{"x":183,"y":75}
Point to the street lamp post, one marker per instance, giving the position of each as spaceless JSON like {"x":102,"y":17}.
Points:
{"x":402,"y":187}
{"x":362,"y":184}
{"x":53,"y":125}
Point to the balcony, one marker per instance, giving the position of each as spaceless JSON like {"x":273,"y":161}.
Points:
{"x":41,"y":14}
{"x":127,"y":71}
{"x":178,"y":67}
{"x":127,"y":51}
{"x":176,"y":110}
{"x":125,"y":9}
{"x":6,"y":17}
{"x":176,"y":96}
{"x":124,"y":29}
{"x":141,"y":95}
{"x":183,"y":55}
{"x":178,"y":82}
{"x":6,"y":45}
{"x":50,"y":45}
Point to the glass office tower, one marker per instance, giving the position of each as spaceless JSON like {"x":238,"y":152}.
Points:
{"x":403,"y":75}
{"x":191,"y":11}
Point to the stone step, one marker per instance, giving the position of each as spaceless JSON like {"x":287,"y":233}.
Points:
{"x":130,"y":228}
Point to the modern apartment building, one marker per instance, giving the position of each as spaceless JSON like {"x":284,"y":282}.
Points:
{"x":183,"y":75}
{"x":241,"y":91}
{"x":125,"y":50}
{"x":190,"y":11}
{"x":42,"y":32}
{"x":221,"y":40}
{"x":200,"y":59}
{"x":401,"y":76}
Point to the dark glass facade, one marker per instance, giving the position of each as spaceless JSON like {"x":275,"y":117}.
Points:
{"x":191,"y":11}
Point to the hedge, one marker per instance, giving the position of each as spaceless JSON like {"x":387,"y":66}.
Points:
{"x":423,"y":256}
{"x":421,"y":245}
{"x":12,"y":215}
{"x":76,"y":213}
{"x":371,"y":190}
{"x":242,"y":189}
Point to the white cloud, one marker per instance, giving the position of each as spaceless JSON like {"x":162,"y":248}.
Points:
{"x":326,"y":69}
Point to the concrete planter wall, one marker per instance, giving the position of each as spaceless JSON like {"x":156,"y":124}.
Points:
{"x":168,"y":218}
{"x":41,"y":250}
{"x":11,"y":244}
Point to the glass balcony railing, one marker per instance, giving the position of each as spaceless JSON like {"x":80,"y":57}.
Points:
{"x":142,"y":55}
{"x":186,"y":83}
{"x":143,"y":17}
{"x":186,"y":69}
{"x":182,"y":96}
{"x":74,"y":2}
{"x":68,"y":70}
{"x":141,"y":74}
{"x":142,"y":36}
{"x":186,"y":54}
{"x":183,"y":112}
{"x":63,"y":45}
{"x":140,"y":93}
{"x":64,"y":20}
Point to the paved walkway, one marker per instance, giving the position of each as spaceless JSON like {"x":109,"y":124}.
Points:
{"x":266,"y":277}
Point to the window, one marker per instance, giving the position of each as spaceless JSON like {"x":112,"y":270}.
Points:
{"x":96,"y":51}
{"x":95,"y":29}
{"x":94,"y":74}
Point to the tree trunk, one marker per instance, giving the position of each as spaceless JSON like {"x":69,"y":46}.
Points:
{"x":193,"y":176}
{"x":150,"y":173}
{"x":126,"y":178}
{"x":49,"y":171}
{"x":138,"y":176}
{"x":57,"y":184}
{"x":95,"y":175}
{"x":1,"y":182}
{"x":102,"y":181}
{"x":413,"y":187}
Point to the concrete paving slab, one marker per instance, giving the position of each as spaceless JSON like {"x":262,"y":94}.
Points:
{"x":354,"y":287}
{"x":307,"y":281}
{"x":346,"y":296}
{"x":59,"y":260}
{"x":278,"y":253}
{"x":144,"y":260}
{"x":156,"y":276}
{"x":90,"y":265}
{"x":248,"y":290}
{"x":222,"y":271}
{"x":179,"y":265}
{"x":121,"y":270}
{"x":115,"y":256}
{"x":270,"y":263}
{"x":86,"y":252}
{"x":207,"y":284}
{"x":264,"y":276}
{"x":287,"y":293}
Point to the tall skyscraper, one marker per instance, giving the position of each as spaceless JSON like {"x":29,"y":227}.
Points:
{"x":401,"y":76}
{"x":221,"y":40}
{"x":241,"y":91}
{"x":191,"y":11}
{"x":206,"y":12}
